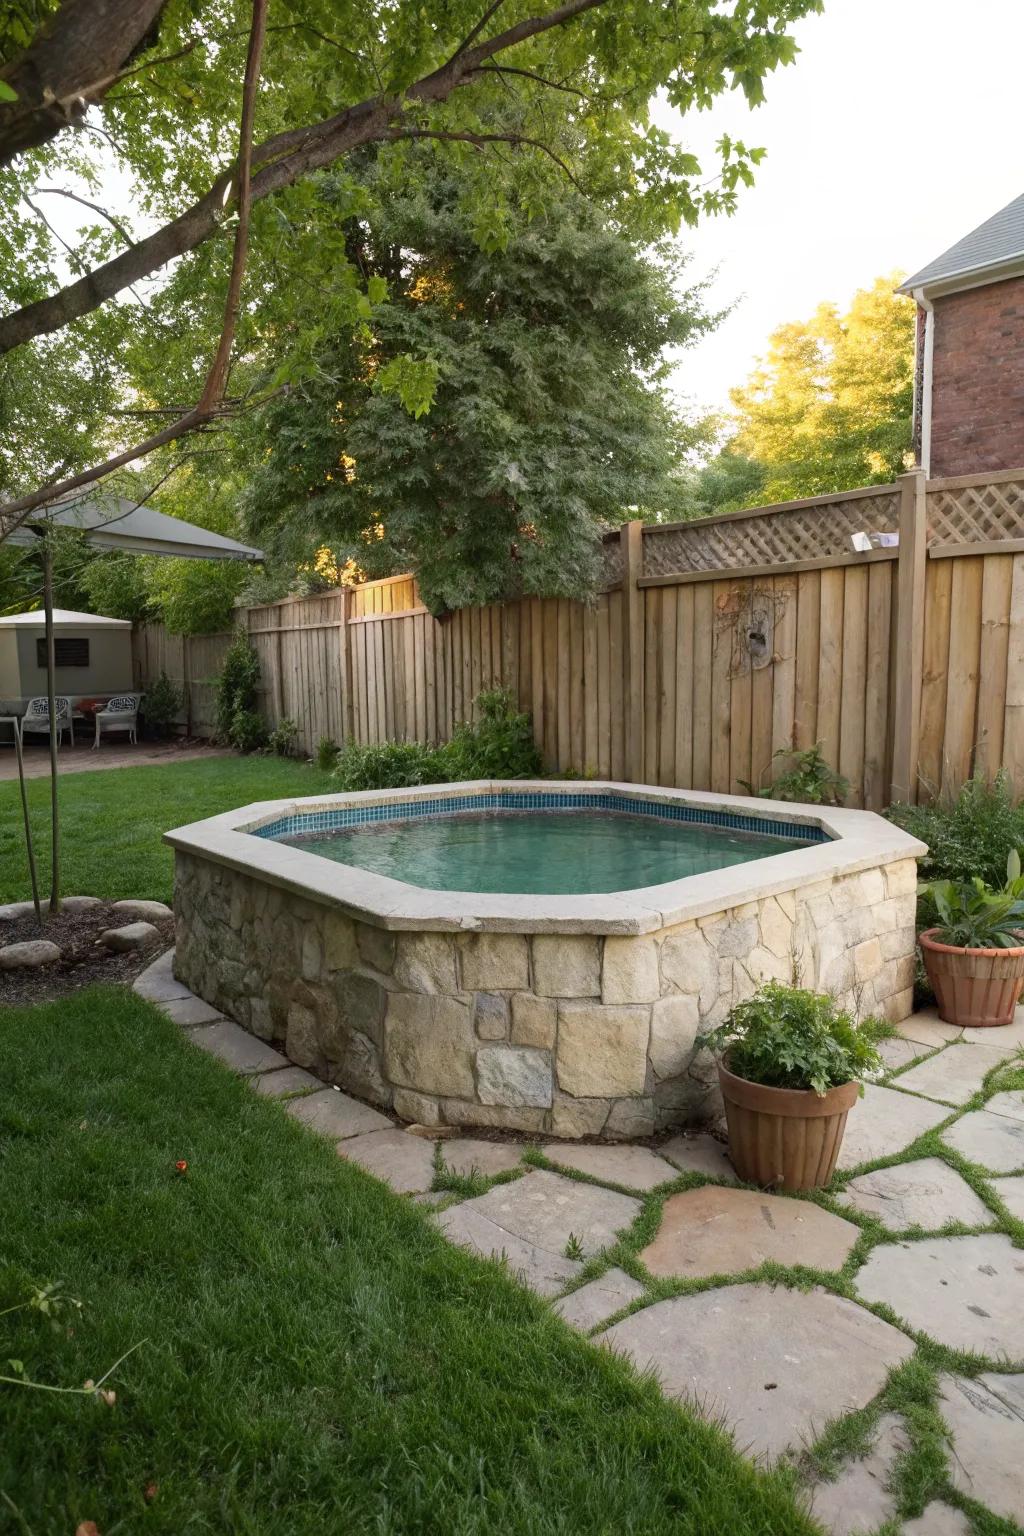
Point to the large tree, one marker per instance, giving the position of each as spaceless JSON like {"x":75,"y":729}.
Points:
{"x":152,"y":91}
{"x":548,"y":417}
{"x":827,"y":409}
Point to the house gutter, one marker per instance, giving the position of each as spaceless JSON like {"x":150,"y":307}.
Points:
{"x":926,"y":304}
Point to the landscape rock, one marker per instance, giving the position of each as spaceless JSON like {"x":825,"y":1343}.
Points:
{"x":675,"y":1023}
{"x":776,"y":1363}
{"x":29,"y":955}
{"x":15,"y":909}
{"x":924,"y":1194}
{"x":490,"y":1016}
{"x":494,"y":962}
{"x":88,"y":903}
{"x":600,"y":1299}
{"x":148,"y":909}
{"x":131,"y":936}
{"x":965,"y":1292}
{"x":629,"y":971}
{"x":718,"y":1231}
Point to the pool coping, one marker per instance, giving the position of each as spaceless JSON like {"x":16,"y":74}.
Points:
{"x":859,"y":840}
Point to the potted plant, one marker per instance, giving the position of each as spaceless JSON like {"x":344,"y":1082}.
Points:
{"x":974,"y":955}
{"x":789,"y":1064}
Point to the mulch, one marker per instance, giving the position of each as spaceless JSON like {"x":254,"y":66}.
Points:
{"x":84,"y":961}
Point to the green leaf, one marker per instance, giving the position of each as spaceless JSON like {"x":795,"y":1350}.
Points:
{"x":7,"y":92}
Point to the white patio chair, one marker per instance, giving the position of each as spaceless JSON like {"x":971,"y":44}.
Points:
{"x":36,"y":719}
{"x":120,"y":713}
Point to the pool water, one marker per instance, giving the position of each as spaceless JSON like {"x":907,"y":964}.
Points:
{"x":551,"y":853}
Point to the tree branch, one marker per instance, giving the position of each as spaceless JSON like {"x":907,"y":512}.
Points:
{"x":282,"y":160}
{"x":481,"y":139}
{"x":71,"y":63}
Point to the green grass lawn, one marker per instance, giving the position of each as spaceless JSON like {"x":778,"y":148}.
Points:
{"x":112,"y":821}
{"x":312,"y":1356}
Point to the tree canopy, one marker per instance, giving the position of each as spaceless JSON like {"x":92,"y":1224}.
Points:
{"x":828,"y":409}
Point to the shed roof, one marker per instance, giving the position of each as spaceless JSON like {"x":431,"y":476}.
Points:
{"x":994,"y":244}
{"x":63,"y":618}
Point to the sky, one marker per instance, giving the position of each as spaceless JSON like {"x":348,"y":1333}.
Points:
{"x":897,"y":130}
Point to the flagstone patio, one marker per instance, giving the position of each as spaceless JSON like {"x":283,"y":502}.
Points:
{"x":778,"y":1315}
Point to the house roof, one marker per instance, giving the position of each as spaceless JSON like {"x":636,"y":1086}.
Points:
{"x":996,"y":244}
{"x":63,"y":618}
{"x":114,"y":522}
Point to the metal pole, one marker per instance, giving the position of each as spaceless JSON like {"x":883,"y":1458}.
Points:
{"x":51,"y":689}
{"x":28,"y":825}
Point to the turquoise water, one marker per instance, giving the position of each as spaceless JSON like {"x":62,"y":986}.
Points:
{"x":570,"y":853}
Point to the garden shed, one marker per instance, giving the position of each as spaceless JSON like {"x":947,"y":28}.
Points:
{"x":93,"y":655}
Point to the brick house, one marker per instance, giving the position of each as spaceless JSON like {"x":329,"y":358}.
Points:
{"x":969,"y":375}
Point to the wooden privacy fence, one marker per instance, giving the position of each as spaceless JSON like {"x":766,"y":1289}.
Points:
{"x":715,"y":645}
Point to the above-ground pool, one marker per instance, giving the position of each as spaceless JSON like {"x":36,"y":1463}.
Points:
{"x":534,"y":956}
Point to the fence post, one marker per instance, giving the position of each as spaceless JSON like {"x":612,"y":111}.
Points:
{"x":909,"y":651}
{"x":347,"y":703}
{"x":633,"y":648}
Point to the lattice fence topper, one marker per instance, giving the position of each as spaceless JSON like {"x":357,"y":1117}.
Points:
{"x":973,"y":514}
{"x":613,"y":562}
{"x":775,"y":538}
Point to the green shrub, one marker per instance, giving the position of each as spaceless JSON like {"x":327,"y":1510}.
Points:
{"x":281,"y":740}
{"x":971,"y":837}
{"x":785,"y":1037}
{"x":809,"y":780}
{"x":326,"y":754}
{"x":388,"y":765}
{"x":238,"y":721}
{"x":160,"y":706}
{"x":499,"y":745}
{"x":974,"y":915}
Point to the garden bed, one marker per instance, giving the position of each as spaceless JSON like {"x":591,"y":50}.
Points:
{"x":83,"y":959}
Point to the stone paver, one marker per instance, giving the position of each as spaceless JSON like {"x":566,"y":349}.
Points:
{"x":884,"y":1122}
{"x":939,"y":1520}
{"x":403,"y":1161}
{"x":987,"y":1458}
{"x":992,"y":1141}
{"x":633,"y":1167}
{"x":545,"y":1272}
{"x":189,"y":1011}
{"x":928,"y":1029}
{"x":1011,"y":1105}
{"x":1011,"y":1192}
{"x":859,"y":1500}
{"x":285,"y":1081}
{"x":898,"y":1052}
{"x":966,"y":1292}
{"x":594,"y":1303}
{"x":546,"y":1209}
{"x":335,"y":1114}
{"x":699,"y":1154}
{"x":716,"y":1231}
{"x":1009,"y":1036}
{"x":1009,"y":1388}
{"x":924,"y":1194}
{"x":953,"y":1075}
{"x":234,"y":1046}
{"x":777,"y":1363}
{"x":158,"y":982}
{"x":474,"y":1155}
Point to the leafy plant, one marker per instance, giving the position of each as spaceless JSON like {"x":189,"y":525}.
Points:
{"x":810,"y":780}
{"x":326,"y":754}
{"x":499,"y":745}
{"x":970,"y":836}
{"x":972,"y":915}
{"x":786,"y":1037}
{"x":160,"y":706}
{"x":281,"y":740}
{"x":238,"y":722}
{"x":388,"y":765}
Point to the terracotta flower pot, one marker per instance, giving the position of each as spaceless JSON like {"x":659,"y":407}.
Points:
{"x":978,"y":988}
{"x":784,"y":1138}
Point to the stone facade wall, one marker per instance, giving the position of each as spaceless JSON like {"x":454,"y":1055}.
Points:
{"x":574,"y":1035}
{"x":978,"y":380}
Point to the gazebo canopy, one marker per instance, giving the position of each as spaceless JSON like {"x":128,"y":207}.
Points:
{"x":63,"y":618}
{"x":114,"y":522}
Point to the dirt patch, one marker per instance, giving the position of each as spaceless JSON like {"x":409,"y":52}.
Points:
{"x":84,"y":961}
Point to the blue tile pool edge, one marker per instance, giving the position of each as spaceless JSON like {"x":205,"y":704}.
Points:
{"x":308,"y":823}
